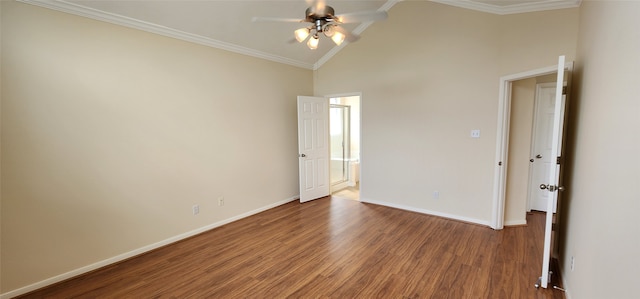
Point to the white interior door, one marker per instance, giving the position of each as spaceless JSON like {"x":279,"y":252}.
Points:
{"x":552,"y":185}
{"x":541,"y":159}
{"x":313,"y":147}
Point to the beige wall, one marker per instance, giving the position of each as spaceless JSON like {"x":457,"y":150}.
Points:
{"x":110,"y":135}
{"x":428,"y":76}
{"x":602,"y":230}
{"x":522,"y":103}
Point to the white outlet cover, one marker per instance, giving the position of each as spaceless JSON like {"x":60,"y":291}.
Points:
{"x":475,"y":133}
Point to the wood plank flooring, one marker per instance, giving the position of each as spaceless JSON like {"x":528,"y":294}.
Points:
{"x":330,"y":248}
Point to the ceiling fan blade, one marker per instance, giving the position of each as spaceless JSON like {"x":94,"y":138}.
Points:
{"x":274,"y":19}
{"x":350,"y":37}
{"x":359,"y":17}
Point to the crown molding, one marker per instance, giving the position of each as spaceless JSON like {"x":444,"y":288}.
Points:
{"x":80,"y":10}
{"x":95,"y":14}
{"x":514,"y":8}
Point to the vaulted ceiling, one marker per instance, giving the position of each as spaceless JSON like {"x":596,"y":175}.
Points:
{"x":228,"y":24}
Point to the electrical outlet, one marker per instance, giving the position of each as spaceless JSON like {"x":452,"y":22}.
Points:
{"x":475,"y":133}
{"x":220,"y":201}
{"x":436,"y":194}
{"x":573,"y":263}
{"x":196,"y":209}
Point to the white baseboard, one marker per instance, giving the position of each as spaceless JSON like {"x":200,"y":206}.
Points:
{"x":515,"y":222}
{"x":130,"y":254}
{"x":427,"y":212}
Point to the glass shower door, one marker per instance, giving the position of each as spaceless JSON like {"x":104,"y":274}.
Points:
{"x":339,"y":119}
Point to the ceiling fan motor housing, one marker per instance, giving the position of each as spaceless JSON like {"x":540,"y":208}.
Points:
{"x":314,"y":13}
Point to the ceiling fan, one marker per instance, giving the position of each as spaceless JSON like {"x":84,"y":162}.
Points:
{"x":324,"y":20}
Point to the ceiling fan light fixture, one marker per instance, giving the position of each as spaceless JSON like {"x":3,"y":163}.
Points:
{"x":328,"y":30}
{"x":313,"y":42}
{"x":338,"y":38}
{"x":323,"y":20}
{"x":301,"y":34}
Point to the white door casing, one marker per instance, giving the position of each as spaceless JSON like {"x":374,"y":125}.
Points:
{"x":313,"y":147}
{"x":553,"y":183}
{"x":541,"y":159}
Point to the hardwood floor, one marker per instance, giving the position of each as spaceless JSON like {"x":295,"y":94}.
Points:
{"x":330,"y":248}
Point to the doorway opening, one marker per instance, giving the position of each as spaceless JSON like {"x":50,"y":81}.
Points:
{"x":344,"y":139}
{"x":503,"y":158}
{"x":529,"y":159}
{"x":554,"y":183}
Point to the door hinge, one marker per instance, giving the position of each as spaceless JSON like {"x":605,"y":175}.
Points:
{"x":558,"y":160}
{"x":564,"y":90}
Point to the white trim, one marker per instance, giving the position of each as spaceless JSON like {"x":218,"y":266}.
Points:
{"x":144,"y":249}
{"x":357,"y":31}
{"x":499,"y":179}
{"x":514,"y":8}
{"x":343,"y":95}
{"x":516,"y":222}
{"x":502,"y":138}
{"x":425,"y":211}
{"x":95,"y":14}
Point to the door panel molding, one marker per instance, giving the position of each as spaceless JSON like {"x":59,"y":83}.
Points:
{"x":544,"y":110}
{"x":313,"y":149}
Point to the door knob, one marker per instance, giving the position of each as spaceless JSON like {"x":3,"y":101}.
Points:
{"x":543,"y":186}
{"x":538,"y":156}
{"x":303,"y":155}
{"x":530,"y":160}
{"x":561,"y":188}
